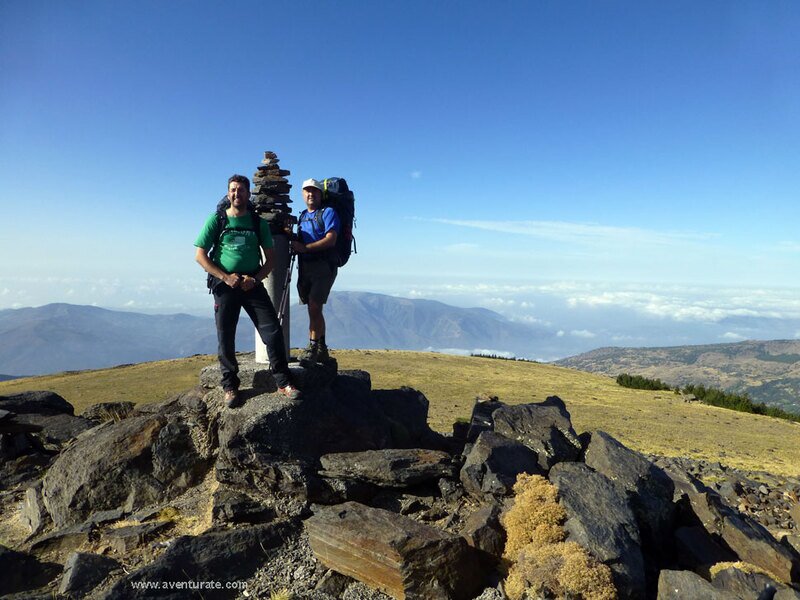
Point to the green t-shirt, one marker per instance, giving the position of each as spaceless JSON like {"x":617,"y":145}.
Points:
{"x":238,"y":252}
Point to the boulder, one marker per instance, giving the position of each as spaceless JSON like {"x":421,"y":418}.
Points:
{"x":748,"y":584}
{"x":39,"y":403}
{"x":390,"y":467}
{"x":83,"y":572}
{"x":483,"y":531}
{"x":34,"y":427}
{"x":651,"y":490}
{"x":750,"y":541}
{"x":233,"y":506}
{"x":401,"y":557}
{"x":55,"y":430}
{"x":493,"y":463}
{"x":544,"y":427}
{"x":224,"y":557}
{"x":755,"y":545}
{"x":33,"y":514}
{"x":683,"y":585}
{"x":600,"y":519}
{"x":144,"y":459}
{"x":124,"y":539}
{"x":257,"y":376}
{"x":406,"y":412}
{"x":20,"y":572}
{"x":482,"y":416}
{"x":275,"y":443}
{"x":352,"y":382}
{"x":64,"y":541}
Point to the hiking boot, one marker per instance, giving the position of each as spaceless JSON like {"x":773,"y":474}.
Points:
{"x":232,"y":399}
{"x":289,"y":391}
{"x":309,"y":353}
{"x":322,"y":353}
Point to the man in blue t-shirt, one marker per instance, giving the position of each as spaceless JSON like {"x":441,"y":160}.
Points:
{"x":318,"y":228}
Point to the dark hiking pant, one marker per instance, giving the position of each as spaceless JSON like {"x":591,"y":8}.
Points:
{"x":228,"y":304}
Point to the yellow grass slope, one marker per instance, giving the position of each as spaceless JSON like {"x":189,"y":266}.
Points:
{"x":655,"y":422}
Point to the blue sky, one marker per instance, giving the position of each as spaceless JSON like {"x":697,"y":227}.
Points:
{"x":549,"y":160}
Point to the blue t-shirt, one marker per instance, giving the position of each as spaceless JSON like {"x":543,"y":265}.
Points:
{"x":309,"y":229}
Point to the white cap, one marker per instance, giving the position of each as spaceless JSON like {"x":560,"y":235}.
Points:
{"x":313,"y":183}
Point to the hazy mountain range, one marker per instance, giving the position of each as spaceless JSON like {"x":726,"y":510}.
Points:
{"x":62,"y":337}
{"x":769,"y":371}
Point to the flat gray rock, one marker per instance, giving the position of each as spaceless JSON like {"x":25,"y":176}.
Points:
{"x":650,"y":489}
{"x":83,"y":572}
{"x":218,"y":556}
{"x":600,"y":519}
{"x":141,"y":460}
{"x":493,"y":464}
{"x":40,"y":403}
{"x":395,"y":467}
{"x":544,"y":427}
{"x":685,"y":585}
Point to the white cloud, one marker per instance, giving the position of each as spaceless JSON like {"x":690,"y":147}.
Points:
{"x":416,"y":174}
{"x":498,"y":302}
{"x":532,"y":320}
{"x":454,"y":351}
{"x":560,"y":333}
{"x":730,"y":335}
{"x":582,"y":333}
{"x":584,"y":233}
{"x":692,"y":304}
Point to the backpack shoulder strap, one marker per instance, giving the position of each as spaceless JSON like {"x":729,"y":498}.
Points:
{"x":257,"y":227}
{"x":220,"y":224}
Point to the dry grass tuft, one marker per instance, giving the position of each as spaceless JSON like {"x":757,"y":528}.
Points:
{"x":541,"y":561}
{"x":536,"y":516}
{"x":742,"y":566}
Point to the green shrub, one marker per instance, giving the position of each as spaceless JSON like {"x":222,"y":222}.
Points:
{"x":637,"y":382}
{"x":738,"y":402}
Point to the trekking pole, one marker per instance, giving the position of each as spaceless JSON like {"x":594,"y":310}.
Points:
{"x":285,"y":293}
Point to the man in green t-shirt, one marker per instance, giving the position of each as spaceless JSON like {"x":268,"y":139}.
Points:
{"x":236,"y":274}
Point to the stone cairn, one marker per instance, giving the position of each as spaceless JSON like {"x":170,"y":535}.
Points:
{"x":271,"y":193}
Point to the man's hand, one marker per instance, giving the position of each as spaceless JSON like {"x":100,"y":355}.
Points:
{"x":232,"y":279}
{"x":299,"y":246}
{"x":248,"y":283}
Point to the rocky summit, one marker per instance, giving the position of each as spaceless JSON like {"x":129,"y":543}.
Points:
{"x":346,"y":493}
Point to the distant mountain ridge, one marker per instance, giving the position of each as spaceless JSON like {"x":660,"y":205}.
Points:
{"x":769,"y":371}
{"x":64,"y":337}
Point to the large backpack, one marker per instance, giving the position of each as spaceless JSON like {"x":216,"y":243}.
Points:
{"x":220,"y":227}
{"x":340,"y":198}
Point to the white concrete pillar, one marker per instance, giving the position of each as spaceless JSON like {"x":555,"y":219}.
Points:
{"x":275,"y":285}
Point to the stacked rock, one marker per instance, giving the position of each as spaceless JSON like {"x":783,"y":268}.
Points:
{"x":271,"y":193}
